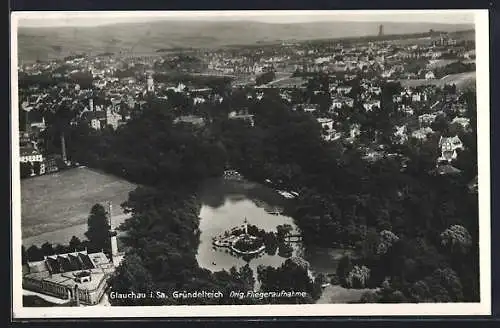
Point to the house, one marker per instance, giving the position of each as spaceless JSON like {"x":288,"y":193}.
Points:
{"x":242,"y":115}
{"x":421,"y":134}
{"x":328,"y":130}
{"x":355,"y":131}
{"x":449,"y":147}
{"x":50,"y":164}
{"x":77,"y":276}
{"x":191,"y":119}
{"x":462,"y":121}
{"x":39,"y":125}
{"x":306,"y":107}
{"x":371,"y":105}
{"x":387,"y":73}
{"x":418,"y":97}
{"x":426,"y":119}
{"x":406,"y":109}
{"x":397,"y":98}
{"x":344,"y":89}
{"x":326,"y":123}
{"x":113,"y":118}
{"x":338,"y":102}
{"x":400,"y":134}
{"x":446,"y":170}
{"x":30,"y":154}
{"x":375,"y":90}
{"x":96,"y":119}
{"x":429,"y":75}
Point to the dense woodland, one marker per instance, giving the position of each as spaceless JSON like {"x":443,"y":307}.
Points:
{"x":415,"y":233}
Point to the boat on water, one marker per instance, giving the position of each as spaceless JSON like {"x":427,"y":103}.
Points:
{"x":275,"y":210}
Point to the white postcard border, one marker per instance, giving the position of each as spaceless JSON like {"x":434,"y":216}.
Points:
{"x":481,"y":308}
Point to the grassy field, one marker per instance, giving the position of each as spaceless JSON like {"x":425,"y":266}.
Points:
{"x":56,"y":202}
{"x":461,"y":80}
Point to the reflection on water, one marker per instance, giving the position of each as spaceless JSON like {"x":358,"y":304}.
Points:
{"x":225,"y":205}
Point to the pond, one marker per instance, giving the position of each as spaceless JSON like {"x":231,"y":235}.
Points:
{"x":226,"y":204}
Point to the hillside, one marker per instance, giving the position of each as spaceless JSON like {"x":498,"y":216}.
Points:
{"x":54,"y":42}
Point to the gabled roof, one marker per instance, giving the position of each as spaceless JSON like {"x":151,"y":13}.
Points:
{"x":447,"y":169}
{"x":88,"y":116}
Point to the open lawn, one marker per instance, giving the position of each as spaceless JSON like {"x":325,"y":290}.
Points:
{"x":461,"y":80}
{"x":58,"y":202}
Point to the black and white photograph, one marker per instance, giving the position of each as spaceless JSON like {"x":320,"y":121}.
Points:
{"x":250,"y":163}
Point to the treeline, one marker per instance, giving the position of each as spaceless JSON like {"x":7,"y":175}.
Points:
{"x":97,"y":239}
{"x":36,"y":253}
{"x":181,"y":62}
{"x":454,"y":68}
{"x":44,"y":80}
{"x":265,"y":78}
{"x":211,"y":81}
{"x":47,"y":80}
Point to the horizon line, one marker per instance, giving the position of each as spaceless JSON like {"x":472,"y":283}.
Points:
{"x":101,"y":18}
{"x":240,"y":21}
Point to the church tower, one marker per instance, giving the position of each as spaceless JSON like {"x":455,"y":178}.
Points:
{"x":112,"y":234}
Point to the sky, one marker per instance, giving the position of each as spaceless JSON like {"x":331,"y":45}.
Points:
{"x":47,"y":19}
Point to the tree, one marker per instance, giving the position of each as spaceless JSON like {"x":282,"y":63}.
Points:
{"x":75,"y":243}
{"x":131,"y":276}
{"x":387,"y":239}
{"x":358,"y":277}
{"x":291,"y":276}
{"x":34,"y":253}
{"x":441,"y":125}
{"x":98,"y":229}
{"x":24,"y":255}
{"x":344,"y":267}
{"x":47,"y":249}
{"x":456,"y":238}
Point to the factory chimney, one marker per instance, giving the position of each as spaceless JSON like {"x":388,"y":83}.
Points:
{"x":381,"y":30}
{"x":63,"y":148}
{"x":112,"y":233}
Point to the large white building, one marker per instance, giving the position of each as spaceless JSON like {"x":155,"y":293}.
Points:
{"x":30,"y":154}
{"x":79,"y":277}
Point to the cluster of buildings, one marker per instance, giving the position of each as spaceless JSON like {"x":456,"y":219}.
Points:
{"x":78,"y":277}
{"x":122,"y":84}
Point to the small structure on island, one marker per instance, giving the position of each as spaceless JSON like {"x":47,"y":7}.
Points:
{"x":232,"y":175}
{"x":241,"y":241}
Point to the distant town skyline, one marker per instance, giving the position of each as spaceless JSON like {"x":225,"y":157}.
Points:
{"x":80,"y":19}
